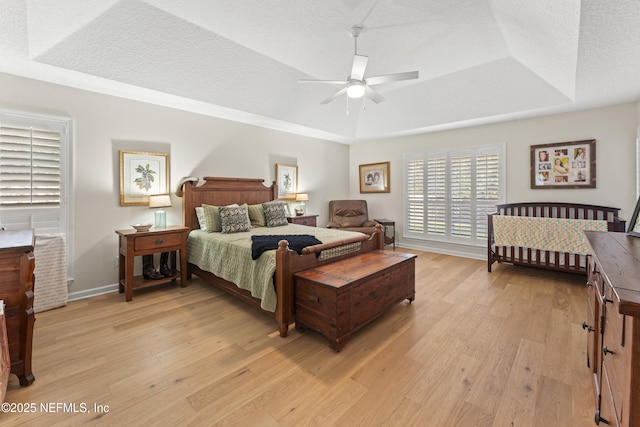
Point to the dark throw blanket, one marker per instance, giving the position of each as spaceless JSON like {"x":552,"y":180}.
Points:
{"x":296,"y":243}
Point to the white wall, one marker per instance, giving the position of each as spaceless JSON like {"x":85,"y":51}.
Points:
{"x":197,"y":145}
{"x":614,"y":129}
{"x":204,"y":146}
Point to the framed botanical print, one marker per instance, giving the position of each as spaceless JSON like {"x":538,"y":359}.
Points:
{"x":564,"y":165}
{"x":287,"y":181}
{"x":374,"y":178}
{"x":141,"y":175}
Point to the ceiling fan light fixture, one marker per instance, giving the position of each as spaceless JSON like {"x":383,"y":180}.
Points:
{"x":355,"y":90}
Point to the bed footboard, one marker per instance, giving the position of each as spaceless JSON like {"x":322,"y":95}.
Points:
{"x":289,"y":262}
{"x":549,"y":255}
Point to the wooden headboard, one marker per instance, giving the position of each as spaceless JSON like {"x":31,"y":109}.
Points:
{"x":221,"y":192}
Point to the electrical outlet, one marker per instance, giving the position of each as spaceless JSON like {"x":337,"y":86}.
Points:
{"x":117,"y":259}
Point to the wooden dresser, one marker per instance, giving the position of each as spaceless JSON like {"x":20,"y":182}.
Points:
{"x":17,"y":263}
{"x":613,"y":324}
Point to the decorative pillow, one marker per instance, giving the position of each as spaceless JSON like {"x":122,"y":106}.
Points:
{"x":212,"y":217}
{"x":256,"y":216}
{"x":274,"y":214}
{"x":202,"y":220}
{"x":235,"y":219}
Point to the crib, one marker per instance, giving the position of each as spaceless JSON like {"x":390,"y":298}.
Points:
{"x":547,"y":235}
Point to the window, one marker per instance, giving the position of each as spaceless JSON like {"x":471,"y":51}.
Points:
{"x":448,"y":194}
{"x":34,"y":183}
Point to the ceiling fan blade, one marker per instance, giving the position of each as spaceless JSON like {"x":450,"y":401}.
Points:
{"x":334,"y":96}
{"x":373,"y":95}
{"x":358,"y":67}
{"x":409,"y":75}
{"x":337,"y":82}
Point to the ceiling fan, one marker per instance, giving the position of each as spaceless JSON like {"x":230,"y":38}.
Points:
{"x":356,"y":85}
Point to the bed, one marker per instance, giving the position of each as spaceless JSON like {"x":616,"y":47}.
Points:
{"x":227,"y":191}
{"x":547,"y":235}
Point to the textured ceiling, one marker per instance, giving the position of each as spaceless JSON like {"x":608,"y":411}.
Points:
{"x":479,"y":60}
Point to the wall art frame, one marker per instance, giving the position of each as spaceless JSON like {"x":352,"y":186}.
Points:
{"x":374,"y":178}
{"x":287,"y":181}
{"x":142,"y":174}
{"x":567,"y":165}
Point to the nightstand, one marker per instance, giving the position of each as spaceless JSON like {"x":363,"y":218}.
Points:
{"x":137,"y":243}
{"x":309,"y":220}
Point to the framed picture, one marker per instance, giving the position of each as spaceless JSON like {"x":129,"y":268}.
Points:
{"x":287,"y":181}
{"x":141,"y":175}
{"x":564,"y":165}
{"x":374,"y":178}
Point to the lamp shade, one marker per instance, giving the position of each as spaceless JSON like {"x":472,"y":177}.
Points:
{"x":159,"y":201}
{"x":302,"y":197}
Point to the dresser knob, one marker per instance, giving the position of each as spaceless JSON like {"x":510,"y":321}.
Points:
{"x":159,"y":241}
{"x":605,"y":350}
{"x":587,"y":327}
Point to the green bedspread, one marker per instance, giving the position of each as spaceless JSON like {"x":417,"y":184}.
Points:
{"x":229,"y":256}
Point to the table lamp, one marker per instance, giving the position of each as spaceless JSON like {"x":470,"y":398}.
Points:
{"x":160,"y":201}
{"x":301,"y":197}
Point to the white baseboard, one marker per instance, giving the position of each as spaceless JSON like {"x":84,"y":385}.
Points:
{"x":453,"y":250}
{"x":74,"y":296}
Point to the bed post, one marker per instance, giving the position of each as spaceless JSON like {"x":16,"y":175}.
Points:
{"x":284,"y":288}
{"x":379,"y":237}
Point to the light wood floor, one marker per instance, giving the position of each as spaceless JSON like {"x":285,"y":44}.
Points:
{"x":474,"y":349}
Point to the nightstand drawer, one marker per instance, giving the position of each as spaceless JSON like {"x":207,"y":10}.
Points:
{"x":157,"y":242}
{"x":309,"y":220}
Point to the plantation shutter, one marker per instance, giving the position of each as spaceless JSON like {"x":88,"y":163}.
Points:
{"x":436,"y":208}
{"x":488,"y":190}
{"x":415,"y":195}
{"x":34,"y":173}
{"x":29,"y":166}
{"x":448,"y":194}
{"x":461,"y":178}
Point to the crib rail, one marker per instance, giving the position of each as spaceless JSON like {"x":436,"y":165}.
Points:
{"x":550,"y":260}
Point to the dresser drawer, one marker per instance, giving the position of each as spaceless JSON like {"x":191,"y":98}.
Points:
{"x":157,"y":242}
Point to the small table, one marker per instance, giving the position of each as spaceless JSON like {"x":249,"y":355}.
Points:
{"x":134,"y":243}
{"x":309,"y":220}
{"x":387,"y":223}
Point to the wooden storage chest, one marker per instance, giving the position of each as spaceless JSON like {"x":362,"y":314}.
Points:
{"x":339,"y":298}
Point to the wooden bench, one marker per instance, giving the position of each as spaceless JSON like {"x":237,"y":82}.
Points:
{"x":339,"y":298}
